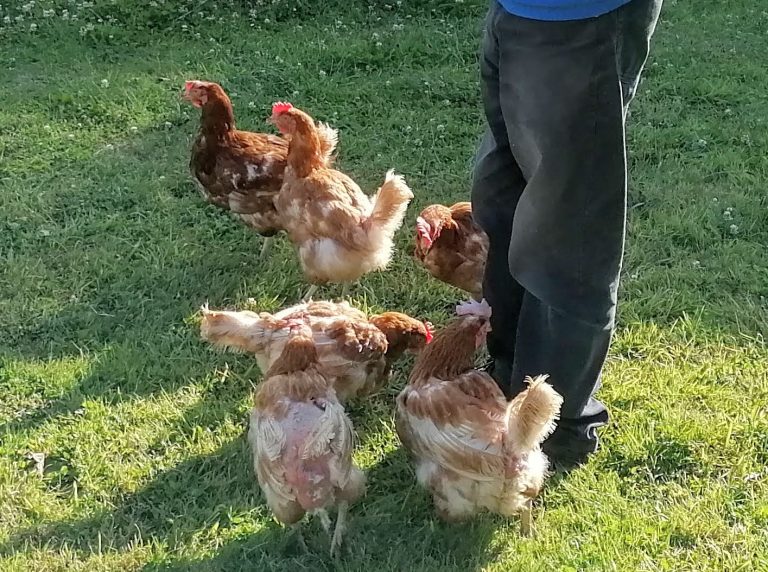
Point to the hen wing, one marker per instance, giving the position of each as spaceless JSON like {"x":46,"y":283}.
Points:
{"x":243,"y":175}
{"x":267,"y":440}
{"x":333,"y":438}
{"x":466,"y":259}
{"x":356,"y":341}
{"x":326,"y":204}
{"x":458,"y":424}
{"x":262,"y":160}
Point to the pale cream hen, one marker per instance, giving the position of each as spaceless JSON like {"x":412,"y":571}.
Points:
{"x":302,"y":442}
{"x":473,"y":450}
{"x":355,"y":352}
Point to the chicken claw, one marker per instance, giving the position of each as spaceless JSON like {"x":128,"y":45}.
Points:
{"x":296,"y":529}
{"x":325,"y":520}
{"x":266,"y":247}
{"x":311,"y":292}
{"x":341,"y":527}
{"x":526,"y":520}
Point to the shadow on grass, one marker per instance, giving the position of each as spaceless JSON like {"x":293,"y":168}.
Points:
{"x":138,"y":262}
{"x":387,"y":529}
{"x":175,"y":505}
{"x":216,"y":492}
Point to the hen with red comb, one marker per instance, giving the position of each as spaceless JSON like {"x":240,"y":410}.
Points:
{"x":451,"y":246}
{"x":238,"y":171}
{"x":356,"y":352}
{"x":340,"y":233}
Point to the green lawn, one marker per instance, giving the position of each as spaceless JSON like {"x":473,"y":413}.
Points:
{"x":107,"y":252}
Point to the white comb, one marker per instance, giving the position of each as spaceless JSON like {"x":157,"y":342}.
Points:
{"x":424,"y":229}
{"x":474,"y":308}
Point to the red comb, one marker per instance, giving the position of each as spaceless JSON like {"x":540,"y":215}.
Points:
{"x":189,"y":85}
{"x":430,"y":331}
{"x":281,"y":107}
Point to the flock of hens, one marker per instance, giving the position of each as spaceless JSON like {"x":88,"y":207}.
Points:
{"x":472,"y":449}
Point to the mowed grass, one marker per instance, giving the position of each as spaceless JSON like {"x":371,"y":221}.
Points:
{"x":107,"y":252}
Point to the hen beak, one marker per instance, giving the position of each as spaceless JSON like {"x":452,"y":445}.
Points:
{"x":187,"y":94}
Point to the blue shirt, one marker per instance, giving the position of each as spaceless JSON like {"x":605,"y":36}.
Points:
{"x":554,"y":10}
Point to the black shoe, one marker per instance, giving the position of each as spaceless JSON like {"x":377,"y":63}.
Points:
{"x":564,"y":466}
{"x":565,"y":459}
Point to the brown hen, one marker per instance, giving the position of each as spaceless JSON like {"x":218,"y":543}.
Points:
{"x":452,"y":247}
{"x":474,"y":451}
{"x":239,"y":171}
{"x":340,"y":233}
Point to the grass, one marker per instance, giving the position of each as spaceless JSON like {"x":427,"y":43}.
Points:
{"x":107,"y":252}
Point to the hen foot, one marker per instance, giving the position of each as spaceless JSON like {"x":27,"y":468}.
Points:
{"x":341,"y":527}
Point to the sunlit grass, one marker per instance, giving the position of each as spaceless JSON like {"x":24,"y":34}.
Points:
{"x":107,"y":253}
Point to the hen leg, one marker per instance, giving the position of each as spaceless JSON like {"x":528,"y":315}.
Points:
{"x":341,"y":527}
{"x":325,"y":520}
{"x":344,"y":290}
{"x":296,"y":531}
{"x":266,"y":247}
{"x":526,"y":520}
{"x":311,"y":292}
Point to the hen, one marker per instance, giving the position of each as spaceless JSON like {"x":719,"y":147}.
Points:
{"x":474,"y":451}
{"x":355,"y":352}
{"x":239,"y":171}
{"x":302,"y":441}
{"x":340,"y":234}
{"x":452,"y":247}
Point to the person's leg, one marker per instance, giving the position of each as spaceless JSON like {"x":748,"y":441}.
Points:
{"x":562,"y":105}
{"x":558,"y":96}
{"x":497,"y":186}
{"x":637,"y":22}
{"x":572,"y":352}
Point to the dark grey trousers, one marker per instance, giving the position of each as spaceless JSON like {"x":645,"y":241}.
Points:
{"x":550,"y":190}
